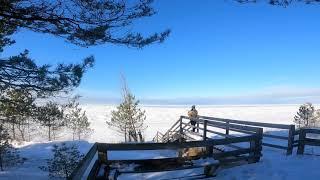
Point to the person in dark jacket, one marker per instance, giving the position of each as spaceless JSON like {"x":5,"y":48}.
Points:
{"x":193,"y":115}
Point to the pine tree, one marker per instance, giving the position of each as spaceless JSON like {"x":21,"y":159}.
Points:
{"x":16,"y":107}
{"x":317,"y":118}
{"x":305,"y":116}
{"x":77,"y":119}
{"x":9,"y":156}
{"x":128,"y":119}
{"x":65,"y":160}
{"x":50,"y":116}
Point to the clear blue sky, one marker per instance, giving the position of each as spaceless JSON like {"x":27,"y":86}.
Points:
{"x":218,"y":50}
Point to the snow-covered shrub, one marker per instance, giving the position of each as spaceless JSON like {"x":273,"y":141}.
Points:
{"x":65,"y":160}
{"x":305,"y":117}
{"x":9,"y":156}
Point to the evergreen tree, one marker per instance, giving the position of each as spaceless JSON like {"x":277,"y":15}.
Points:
{"x":283,"y":3}
{"x":9,"y":156}
{"x":317,"y":118}
{"x":128,"y":119}
{"x":16,"y":108}
{"x":305,"y":116}
{"x":65,"y":160}
{"x":50,"y":116}
{"x":77,"y":119}
{"x":82,"y":22}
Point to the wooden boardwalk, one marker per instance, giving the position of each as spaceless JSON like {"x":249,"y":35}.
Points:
{"x":179,"y":138}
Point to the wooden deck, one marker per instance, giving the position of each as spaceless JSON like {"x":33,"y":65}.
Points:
{"x":178,"y":138}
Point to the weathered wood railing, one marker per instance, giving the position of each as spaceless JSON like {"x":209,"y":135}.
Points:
{"x":158,"y":137}
{"x":305,"y":140}
{"x":290,"y":128}
{"x":82,"y":167}
{"x":102,"y":149}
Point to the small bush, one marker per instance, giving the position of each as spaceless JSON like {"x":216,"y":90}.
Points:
{"x":9,"y":156}
{"x":65,"y":160}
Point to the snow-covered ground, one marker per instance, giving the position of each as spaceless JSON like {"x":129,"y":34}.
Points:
{"x":274,"y":164}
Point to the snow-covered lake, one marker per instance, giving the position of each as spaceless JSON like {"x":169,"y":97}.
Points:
{"x":160,"y":118}
{"x":274,"y":164}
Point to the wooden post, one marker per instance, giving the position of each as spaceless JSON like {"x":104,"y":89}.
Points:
{"x":227,"y":128}
{"x":180,"y":137}
{"x":205,"y":130}
{"x":102,"y":157}
{"x":256,"y":147}
{"x":197,"y":126}
{"x":181,"y":129}
{"x":209,"y":149}
{"x":301,"y":144}
{"x":290,"y":139}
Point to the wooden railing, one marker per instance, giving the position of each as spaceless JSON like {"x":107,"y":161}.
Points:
{"x":158,"y":137}
{"x":78,"y":173}
{"x":305,"y":140}
{"x":102,"y":149}
{"x":289,"y":138}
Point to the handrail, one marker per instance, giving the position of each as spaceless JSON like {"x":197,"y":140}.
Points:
{"x":173,"y":145}
{"x":304,"y":140}
{"x":252,"y":123}
{"x":168,"y":131}
{"x":84,"y":163}
{"x":230,"y":124}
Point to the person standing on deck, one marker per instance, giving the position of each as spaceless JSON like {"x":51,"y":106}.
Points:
{"x":193,"y":115}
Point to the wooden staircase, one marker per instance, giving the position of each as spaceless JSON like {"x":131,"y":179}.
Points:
{"x":175,"y":133}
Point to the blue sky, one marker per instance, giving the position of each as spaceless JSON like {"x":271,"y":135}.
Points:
{"x":219,"y":52}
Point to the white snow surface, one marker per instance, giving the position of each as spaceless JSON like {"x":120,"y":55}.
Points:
{"x":273,"y":165}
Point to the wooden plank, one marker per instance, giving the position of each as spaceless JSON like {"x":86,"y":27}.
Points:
{"x":275,"y":146}
{"x":234,"y":146}
{"x":242,"y":131}
{"x":312,"y":142}
{"x":172,"y":145}
{"x":234,"y":126}
{"x":219,"y":133}
{"x":169,"y":169}
{"x":253,"y":123}
{"x":275,"y":136}
{"x":232,"y":153}
{"x":152,"y":161}
{"x":84,"y":163}
{"x":311,"y":130}
{"x":94,"y":170}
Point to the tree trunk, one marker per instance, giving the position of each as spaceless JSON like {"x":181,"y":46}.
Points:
{"x":21,"y":132}
{"x":13,"y":131}
{"x":28,"y":130}
{"x":49,"y":133}
{"x":125,"y":134}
